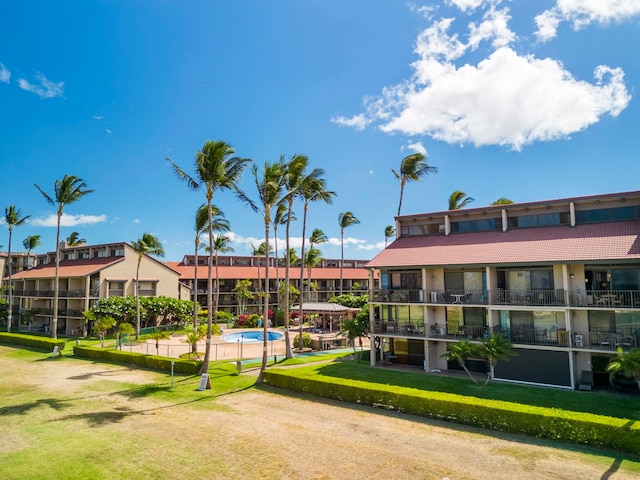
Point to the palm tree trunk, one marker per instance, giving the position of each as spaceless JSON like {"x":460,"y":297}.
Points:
{"x":266,"y":299}
{"x":56,"y":287}
{"x":287,"y":287}
{"x":10,"y":310}
{"x":401,"y":193}
{"x":207,"y":352}
{"x":195,"y":290}
{"x":138,"y":297}
{"x":304,"y":233}
{"x":468,"y":373}
{"x":341,"y":256}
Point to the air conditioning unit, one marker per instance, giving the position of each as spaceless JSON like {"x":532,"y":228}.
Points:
{"x":578,"y":340}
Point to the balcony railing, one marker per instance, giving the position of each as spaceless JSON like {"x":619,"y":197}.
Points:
{"x":399,"y":296}
{"x":605,"y":340}
{"x":605,"y":298}
{"x":528,"y":297}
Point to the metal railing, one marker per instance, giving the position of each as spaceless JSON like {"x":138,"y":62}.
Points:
{"x":605,"y":298}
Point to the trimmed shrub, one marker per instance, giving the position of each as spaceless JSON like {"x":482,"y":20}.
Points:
{"x":33,"y":341}
{"x":153,"y":362}
{"x":306,"y":340}
{"x":575,"y":427}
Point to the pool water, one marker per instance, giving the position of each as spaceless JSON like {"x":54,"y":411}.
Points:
{"x":251,"y":337}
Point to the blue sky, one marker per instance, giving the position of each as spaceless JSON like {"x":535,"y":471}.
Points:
{"x":528,"y":100}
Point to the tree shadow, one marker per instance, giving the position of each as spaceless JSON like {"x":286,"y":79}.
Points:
{"x":25,"y":408}
{"x":104,"y":373}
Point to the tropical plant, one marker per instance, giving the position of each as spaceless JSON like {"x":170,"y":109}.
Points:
{"x":495,"y":348}
{"x":412,"y":168}
{"x":194,"y":336}
{"x":243,"y":293}
{"x":389,"y":232}
{"x":355,"y":328}
{"x":30,"y":243}
{"x":74,"y":240}
{"x":296,"y":180}
{"x":317,"y":237}
{"x":66,"y":191}
{"x":626,"y":363}
{"x":147,"y":245}
{"x":280,"y":217}
{"x":260,"y":252}
{"x":350,"y":300}
{"x":270,"y":185}
{"x":220,"y":224}
{"x":101,"y":324}
{"x":216,"y":169}
{"x":13,"y":218}
{"x":345,"y":220}
{"x":158,"y":335}
{"x":459,"y":200}
{"x":124,"y":328}
{"x":221,"y":244}
{"x":312,"y":190}
{"x":459,"y":351}
{"x":502,"y":201}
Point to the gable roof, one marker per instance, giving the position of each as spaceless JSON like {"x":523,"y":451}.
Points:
{"x":68,"y":268}
{"x":613,"y":241}
{"x":250,"y":272}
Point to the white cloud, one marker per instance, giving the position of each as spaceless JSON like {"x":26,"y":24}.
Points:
{"x":416,"y":147}
{"x":506,"y":99}
{"x":357,"y":121}
{"x":136,"y":221}
{"x":97,"y":117}
{"x":68,"y":220}
{"x":43,"y":87}
{"x":5,"y":74}
{"x":108,"y":131}
{"x":470,"y":5}
{"x":582,"y":13}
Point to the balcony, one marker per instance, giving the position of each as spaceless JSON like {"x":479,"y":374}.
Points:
{"x":606,"y":340}
{"x":530,"y":335}
{"x":404,"y":329}
{"x":605,"y":299}
{"x":399,"y":296}
{"x":528,"y":297}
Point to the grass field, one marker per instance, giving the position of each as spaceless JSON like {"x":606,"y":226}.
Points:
{"x":67,"y":418}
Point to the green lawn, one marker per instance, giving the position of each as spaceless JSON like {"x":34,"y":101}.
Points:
{"x":608,"y":404}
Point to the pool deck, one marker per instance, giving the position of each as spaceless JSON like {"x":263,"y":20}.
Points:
{"x":221,"y":350}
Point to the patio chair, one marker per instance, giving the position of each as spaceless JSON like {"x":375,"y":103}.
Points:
{"x":586,"y":380}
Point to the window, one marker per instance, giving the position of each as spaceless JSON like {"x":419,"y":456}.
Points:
{"x":615,"y":214}
{"x":118,"y":252}
{"x":483,"y":225}
{"x":540,"y":220}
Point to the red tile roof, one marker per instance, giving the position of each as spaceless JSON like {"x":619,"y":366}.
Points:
{"x":594,"y":242}
{"x":68,"y":268}
{"x":242,"y":272}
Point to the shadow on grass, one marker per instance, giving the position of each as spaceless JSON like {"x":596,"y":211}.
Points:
{"x":26,"y":408}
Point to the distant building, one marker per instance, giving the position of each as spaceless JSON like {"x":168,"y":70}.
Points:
{"x":325,"y":279}
{"x":87,"y":273}
{"x":559,"y":278}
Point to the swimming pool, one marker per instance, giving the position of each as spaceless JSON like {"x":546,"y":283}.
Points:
{"x":254,"y":336}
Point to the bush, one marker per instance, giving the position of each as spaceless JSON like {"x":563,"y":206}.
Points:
{"x":306,"y":340}
{"x":189,"y":367}
{"x":33,"y":341}
{"x":575,"y":427}
{"x":246,"y":321}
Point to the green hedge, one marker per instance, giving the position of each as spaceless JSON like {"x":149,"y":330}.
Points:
{"x":576,"y":427}
{"x":33,"y":341}
{"x":189,"y":367}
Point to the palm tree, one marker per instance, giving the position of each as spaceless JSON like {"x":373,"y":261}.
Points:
{"x":495,"y":348}
{"x":269,"y":185}
{"x":317,"y":237}
{"x":280,"y":217}
{"x":260,"y":252}
{"x":66,"y":191}
{"x":345,"y":220}
{"x":74,"y":240}
{"x":13,"y":218}
{"x":221,"y":244}
{"x":147,"y":245}
{"x":215,"y":169}
{"x":389,"y":232}
{"x":220,"y":224}
{"x":296,"y":179}
{"x":412,"y":168}
{"x":313,"y":190}
{"x":627,"y":363}
{"x":459,"y":200}
{"x":502,"y":201}
{"x":30,"y":243}
{"x":460,"y":351}
{"x":312,"y":258}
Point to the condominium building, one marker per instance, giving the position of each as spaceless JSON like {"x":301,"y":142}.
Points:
{"x":87,"y":273}
{"x":559,"y":278}
{"x":324,"y":284}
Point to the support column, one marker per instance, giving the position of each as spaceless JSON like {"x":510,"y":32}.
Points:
{"x":372,"y":343}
